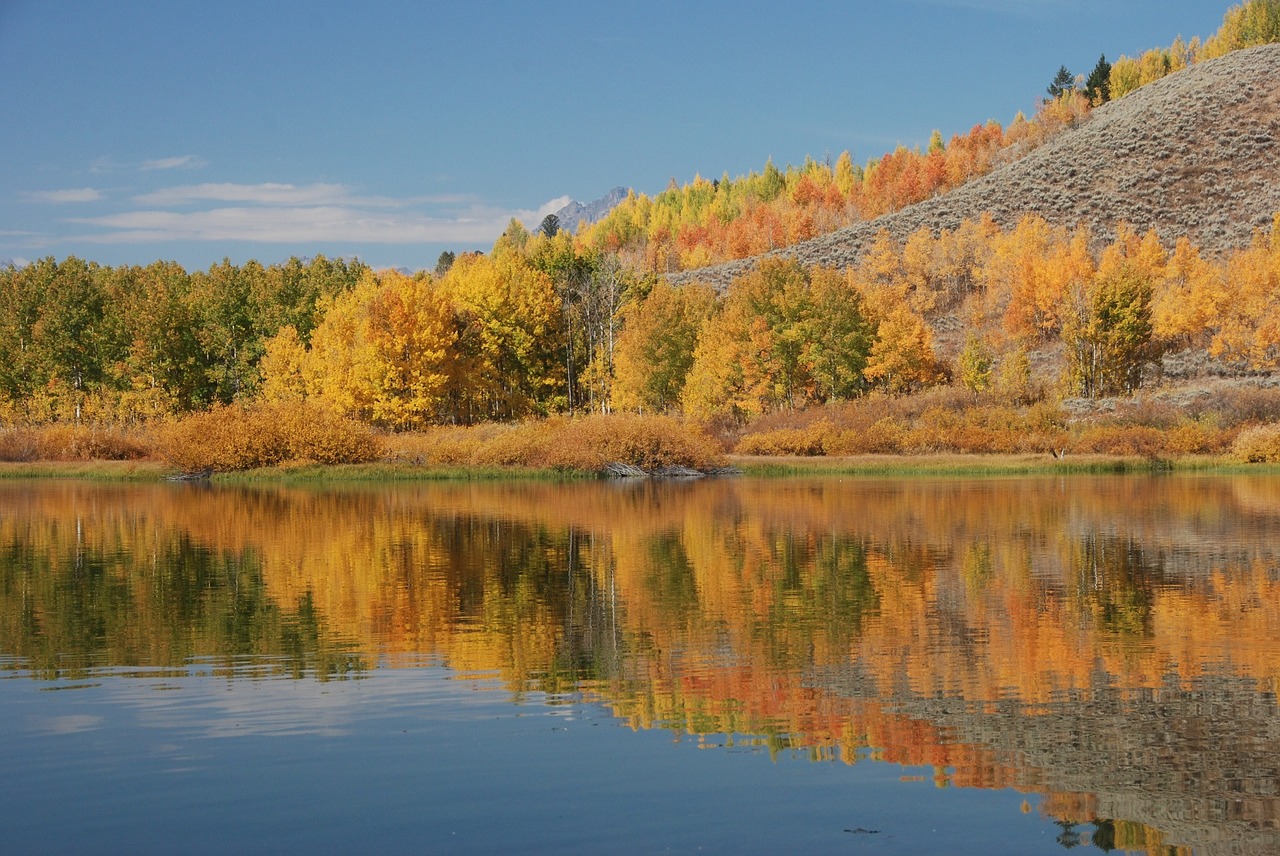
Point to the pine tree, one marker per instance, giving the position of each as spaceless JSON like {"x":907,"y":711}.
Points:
{"x":1097,"y":88}
{"x":1063,"y":81}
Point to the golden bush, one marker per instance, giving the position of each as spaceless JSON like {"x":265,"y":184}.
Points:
{"x":586,"y":443}
{"x":1124,"y":440}
{"x":18,"y":445}
{"x":1258,"y":445}
{"x":810,"y":440}
{"x":648,"y":442}
{"x":232,"y":437}
{"x":69,"y":442}
{"x":885,"y":436}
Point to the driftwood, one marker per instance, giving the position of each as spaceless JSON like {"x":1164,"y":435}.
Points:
{"x":620,"y":470}
{"x":198,"y":475}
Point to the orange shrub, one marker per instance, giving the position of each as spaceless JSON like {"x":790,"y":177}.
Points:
{"x":807,"y":441}
{"x":883,"y":437}
{"x":1141,"y":440}
{"x":648,"y":442}
{"x":587,"y":443}
{"x":18,"y":444}
{"x":227,"y":438}
{"x":64,"y":442}
{"x":1258,"y":445}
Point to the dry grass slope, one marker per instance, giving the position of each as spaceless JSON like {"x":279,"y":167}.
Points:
{"x":1196,"y":153}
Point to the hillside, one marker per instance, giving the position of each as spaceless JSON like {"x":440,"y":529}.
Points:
{"x":1195,"y":154}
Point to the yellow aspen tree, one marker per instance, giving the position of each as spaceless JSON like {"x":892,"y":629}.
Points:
{"x":655,"y":349}
{"x":282,"y":365}
{"x":715,"y":384}
{"x":1187,"y":298}
{"x":902,"y":358}
{"x":381,"y":354}
{"x":1248,"y":330}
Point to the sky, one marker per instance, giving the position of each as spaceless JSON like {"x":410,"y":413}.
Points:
{"x":195,"y":131}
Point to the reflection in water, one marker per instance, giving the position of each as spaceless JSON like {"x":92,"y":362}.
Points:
{"x":1113,"y":643}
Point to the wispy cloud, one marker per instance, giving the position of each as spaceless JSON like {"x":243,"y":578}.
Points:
{"x":180,"y":162}
{"x":303,"y":223}
{"x":105,"y":164}
{"x":258,"y":194}
{"x":79,"y":194}
{"x":271,"y":193}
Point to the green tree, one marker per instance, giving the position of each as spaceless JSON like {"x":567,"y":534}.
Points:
{"x":444,"y":262}
{"x":1062,"y":82}
{"x":976,"y":364}
{"x":1097,"y":87}
{"x":1108,"y":336}
{"x":838,"y":336}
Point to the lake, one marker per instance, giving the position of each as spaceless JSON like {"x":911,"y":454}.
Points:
{"x":994,"y":665}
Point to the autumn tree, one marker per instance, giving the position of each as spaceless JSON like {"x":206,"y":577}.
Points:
{"x":787,"y":336}
{"x":976,"y":364}
{"x":383,"y":353}
{"x":508,"y":338}
{"x":1246,"y":327}
{"x":655,"y":347}
{"x":838,"y":336}
{"x":1108,"y":335}
{"x":902,"y":359}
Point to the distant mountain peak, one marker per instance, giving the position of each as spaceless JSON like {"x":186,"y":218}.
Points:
{"x":571,"y":215}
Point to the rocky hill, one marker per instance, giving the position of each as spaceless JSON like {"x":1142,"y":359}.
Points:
{"x":1196,"y":153}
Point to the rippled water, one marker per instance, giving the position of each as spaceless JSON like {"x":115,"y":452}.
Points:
{"x":989,"y":665}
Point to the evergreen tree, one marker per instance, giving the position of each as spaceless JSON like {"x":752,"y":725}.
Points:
{"x":1097,"y":88}
{"x":1063,"y":81}
{"x":444,"y":262}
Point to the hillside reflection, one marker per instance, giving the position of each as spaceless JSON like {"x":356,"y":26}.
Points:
{"x":1113,"y":643}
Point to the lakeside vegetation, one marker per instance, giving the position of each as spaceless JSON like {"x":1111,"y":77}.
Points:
{"x":564,"y":353}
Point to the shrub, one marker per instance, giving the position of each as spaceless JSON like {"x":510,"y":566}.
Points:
{"x":232,"y":437}
{"x":1129,"y":440}
{"x":18,"y":445}
{"x":648,"y":442}
{"x":586,"y":443}
{"x":883,"y":437}
{"x":808,"y":441}
{"x":1249,"y":405}
{"x":66,"y":442}
{"x":1258,"y":445}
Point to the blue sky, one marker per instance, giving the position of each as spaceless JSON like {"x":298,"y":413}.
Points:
{"x":135,"y":131}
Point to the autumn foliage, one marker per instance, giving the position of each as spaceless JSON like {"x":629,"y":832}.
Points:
{"x":234,"y":437}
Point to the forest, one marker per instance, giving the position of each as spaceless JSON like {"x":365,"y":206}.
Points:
{"x":979,"y":328}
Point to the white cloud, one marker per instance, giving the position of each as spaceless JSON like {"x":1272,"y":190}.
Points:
{"x":302,"y":223}
{"x":105,"y":164}
{"x":181,"y":162}
{"x":262,"y":194}
{"x":79,"y":194}
{"x":551,"y":207}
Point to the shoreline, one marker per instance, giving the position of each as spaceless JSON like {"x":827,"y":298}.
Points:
{"x":746,"y":465}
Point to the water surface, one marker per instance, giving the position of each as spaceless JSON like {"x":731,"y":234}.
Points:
{"x":818,"y":665}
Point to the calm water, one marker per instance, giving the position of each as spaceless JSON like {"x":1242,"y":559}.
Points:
{"x":811,"y":666}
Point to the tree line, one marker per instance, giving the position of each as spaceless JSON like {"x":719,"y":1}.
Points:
{"x":542,"y":325}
